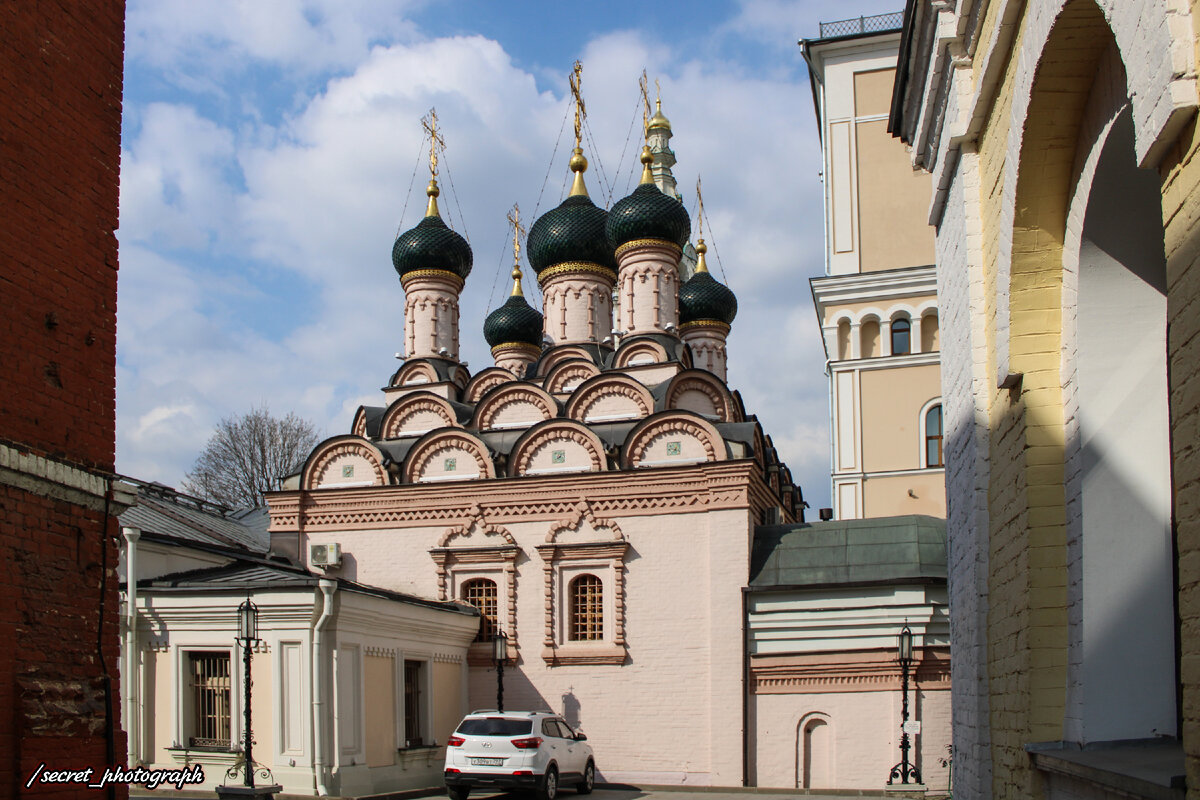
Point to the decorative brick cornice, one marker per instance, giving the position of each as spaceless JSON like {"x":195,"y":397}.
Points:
{"x":847,"y":671}
{"x":667,"y":490}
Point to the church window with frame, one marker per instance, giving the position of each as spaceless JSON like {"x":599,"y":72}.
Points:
{"x":484,"y":595}
{"x":209,"y":685}
{"x":585,"y":621}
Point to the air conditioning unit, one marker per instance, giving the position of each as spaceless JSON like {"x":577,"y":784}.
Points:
{"x":325,"y":555}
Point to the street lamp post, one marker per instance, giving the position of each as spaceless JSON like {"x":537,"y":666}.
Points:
{"x":247,"y":634}
{"x":904,"y":770}
{"x":500,"y":655}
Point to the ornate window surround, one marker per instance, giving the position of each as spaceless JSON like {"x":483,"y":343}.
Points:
{"x":562,"y":561}
{"x":496,"y":561}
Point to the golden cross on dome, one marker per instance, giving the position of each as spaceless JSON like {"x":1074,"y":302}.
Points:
{"x":576,"y":80}
{"x":514,"y":217}
{"x":429,"y":123}
{"x":642,"y":84}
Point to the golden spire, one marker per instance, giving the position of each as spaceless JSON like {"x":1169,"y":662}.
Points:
{"x":429,"y":123}
{"x":701,"y":249}
{"x":578,"y":163}
{"x":514,"y":217}
{"x":647,"y":159}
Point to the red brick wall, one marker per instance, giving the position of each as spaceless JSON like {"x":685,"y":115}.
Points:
{"x":60,"y":151}
{"x":60,"y":91}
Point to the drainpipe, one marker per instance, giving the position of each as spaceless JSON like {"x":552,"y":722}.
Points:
{"x":132,"y":684}
{"x":328,"y":587}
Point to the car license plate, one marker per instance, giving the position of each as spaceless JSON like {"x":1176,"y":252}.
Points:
{"x":486,"y":762}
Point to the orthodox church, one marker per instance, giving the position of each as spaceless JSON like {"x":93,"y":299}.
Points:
{"x":594,"y":493}
{"x":604,"y":502}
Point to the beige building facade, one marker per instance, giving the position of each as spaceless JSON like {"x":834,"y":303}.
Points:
{"x":1060,"y":136}
{"x":877,"y":304}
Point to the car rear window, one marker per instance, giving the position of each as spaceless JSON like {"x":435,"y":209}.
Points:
{"x":495,"y":726}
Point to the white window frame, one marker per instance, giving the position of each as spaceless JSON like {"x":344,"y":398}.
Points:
{"x":923,"y":450}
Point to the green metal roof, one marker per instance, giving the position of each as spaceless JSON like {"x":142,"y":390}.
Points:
{"x":908,"y":548}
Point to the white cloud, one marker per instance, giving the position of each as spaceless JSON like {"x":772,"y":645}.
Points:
{"x":314,"y":200}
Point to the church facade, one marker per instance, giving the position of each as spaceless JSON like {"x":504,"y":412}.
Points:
{"x":594,"y":494}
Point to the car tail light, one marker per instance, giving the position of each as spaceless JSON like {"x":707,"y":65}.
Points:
{"x":523,"y":772}
{"x":452,"y":769}
{"x":531,"y":743}
{"x":455,"y":741}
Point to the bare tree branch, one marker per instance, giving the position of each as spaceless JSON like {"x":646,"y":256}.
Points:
{"x":249,"y":455}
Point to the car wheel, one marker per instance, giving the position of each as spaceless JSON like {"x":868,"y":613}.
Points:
{"x":589,"y":779}
{"x":549,"y":788}
{"x":455,"y":793}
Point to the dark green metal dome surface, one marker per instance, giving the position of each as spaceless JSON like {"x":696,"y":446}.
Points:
{"x":431,"y":245}
{"x":572,"y":232}
{"x":704,"y":299}
{"x":515,"y":321}
{"x":648,"y":214}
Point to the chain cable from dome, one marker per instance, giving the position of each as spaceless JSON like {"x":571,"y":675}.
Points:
{"x":700,"y":218}
{"x":411,"y":182}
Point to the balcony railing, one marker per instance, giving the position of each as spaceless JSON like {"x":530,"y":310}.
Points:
{"x":852,"y":27}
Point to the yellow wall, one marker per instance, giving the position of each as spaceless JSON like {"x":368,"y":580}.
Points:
{"x":447,"y":693}
{"x":262,"y":707}
{"x":893,"y":200}
{"x":379,"y":714}
{"x":888,"y":496}
{"x":891,"y":401}
{"x":1181,"y":213}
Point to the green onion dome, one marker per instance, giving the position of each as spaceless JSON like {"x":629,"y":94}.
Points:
{"x":702,"y":298}
{"x":515,"y":321}
{"x":431,"y":245}
{"x":648,"y":214}
{"x":572,"y":233}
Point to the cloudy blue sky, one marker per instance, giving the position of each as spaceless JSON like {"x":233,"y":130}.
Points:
{"x":268,"y":160}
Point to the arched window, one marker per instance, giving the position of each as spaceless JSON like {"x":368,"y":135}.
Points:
{"x":843,"y":340}
{"x":585,"y":621}
{"x":901,"y":337}
{"x":481,"y":593}
{"x":933,"y":436}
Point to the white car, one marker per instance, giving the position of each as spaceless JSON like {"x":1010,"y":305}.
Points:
{"x":517,"y":750}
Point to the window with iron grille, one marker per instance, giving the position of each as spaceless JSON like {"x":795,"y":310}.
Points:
{"x":209,"y":678}
{"x":413,"y":678}
{"x":586,"y":615}
{"x":483,"y":594}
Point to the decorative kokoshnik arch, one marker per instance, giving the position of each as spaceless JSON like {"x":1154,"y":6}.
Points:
{"x":610,"y":397}
{"x":672,"y":438}
{"x":448,"y":454}
{"x":516,"y":404}
{"x":417,"y":413}
{"x":343,"y":462}
{"x":700,"y":391}
{"x":557,"y":445}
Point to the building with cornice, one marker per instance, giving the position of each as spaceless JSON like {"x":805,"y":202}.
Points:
{"x":877,"y":302}
{"x":604,"y":500}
